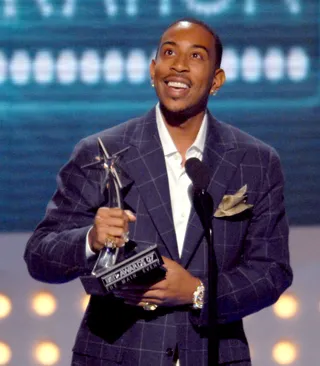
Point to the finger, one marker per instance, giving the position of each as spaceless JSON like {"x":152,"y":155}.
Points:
{"x":114,"y":231}
{"x":166,"y":259}
{"x":110,"y":212}
{"x":112,"y":221}
{"x":115,"y":221}
{"x":131,"y":216}
{"x":113,"y":242}
{"x":114,"y":227}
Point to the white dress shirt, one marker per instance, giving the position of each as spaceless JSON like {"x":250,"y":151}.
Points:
{"x":179,"y":182}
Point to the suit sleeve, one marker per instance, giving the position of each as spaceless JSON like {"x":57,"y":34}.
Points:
{"x":263,"y":272}
{"x":55,"y":252}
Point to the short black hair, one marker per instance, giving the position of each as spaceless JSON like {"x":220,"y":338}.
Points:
{"x":218,"y":43}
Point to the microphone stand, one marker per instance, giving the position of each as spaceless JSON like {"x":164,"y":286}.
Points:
{"x":203,"y":204}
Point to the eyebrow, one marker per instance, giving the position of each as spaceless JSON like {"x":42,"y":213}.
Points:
{"x":193,"y":46}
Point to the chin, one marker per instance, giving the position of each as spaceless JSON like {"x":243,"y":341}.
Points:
{"x":182,"y":109}
{"x":174,"y":106}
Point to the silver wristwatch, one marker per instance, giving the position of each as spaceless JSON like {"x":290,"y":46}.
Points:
{"x":198,"y":297}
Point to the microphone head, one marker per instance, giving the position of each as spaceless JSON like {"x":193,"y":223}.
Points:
{"x":198,"y":173}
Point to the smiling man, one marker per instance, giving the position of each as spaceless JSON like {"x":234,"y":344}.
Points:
{"x":167,"y":322}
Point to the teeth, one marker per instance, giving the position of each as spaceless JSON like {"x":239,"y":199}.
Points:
{"x":177,"y":84}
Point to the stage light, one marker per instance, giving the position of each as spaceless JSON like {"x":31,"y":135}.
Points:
{"x":251,"y":65}
{"x":5,"y":306}
{"x":90,"y":67}
{"x":132,"y":8}
{"x":298,"y":64}
{"x":274,"y":64}
{"x":44,"y":304}
{"x":137,"y":66}
{"x":20,"y":67}
{"x":113,"y":66}
{"x":230,"y":64}
{"x":46,"y":353}
{"x":286,"y":307}
{"x":43,"y":67}
{"x":67,"y":67}
{"x":284,"y":353}
{"x":84,"y":302}
{"x":5,"y":353}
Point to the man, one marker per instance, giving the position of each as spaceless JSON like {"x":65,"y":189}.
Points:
{"x":250,"y":244}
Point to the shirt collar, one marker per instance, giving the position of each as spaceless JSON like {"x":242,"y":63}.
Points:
{"x":166,"y":141}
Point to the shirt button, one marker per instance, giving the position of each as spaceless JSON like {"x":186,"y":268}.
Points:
{"x":176,"y":156}
{"x":169,"y":352}
{"x":183,"y":215}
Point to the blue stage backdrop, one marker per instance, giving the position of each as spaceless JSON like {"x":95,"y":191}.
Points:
{"x":70,"y":68}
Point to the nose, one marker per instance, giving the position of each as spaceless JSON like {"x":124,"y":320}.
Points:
{"x":180,"y":63}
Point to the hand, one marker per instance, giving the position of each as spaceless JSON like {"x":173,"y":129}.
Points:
{"x":176,"y":289}
{"x":109,"y":224}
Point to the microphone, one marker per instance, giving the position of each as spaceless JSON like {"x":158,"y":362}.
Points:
{"x":203,"y":204}
{"x":198,"y":173}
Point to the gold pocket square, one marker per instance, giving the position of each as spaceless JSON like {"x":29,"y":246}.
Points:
{"x":233,"y":204}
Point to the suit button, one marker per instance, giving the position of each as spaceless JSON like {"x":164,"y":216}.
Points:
{"x":169,"y":352}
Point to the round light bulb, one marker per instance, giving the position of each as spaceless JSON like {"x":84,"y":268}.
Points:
{"x":5,"y":306}
{"x":47,"y":353}
{"x":286,"y":307}
{"x":84,"y":302}
{"x":284,"y":353}
{"x":5,"y":353}
{"x":44,"y":304}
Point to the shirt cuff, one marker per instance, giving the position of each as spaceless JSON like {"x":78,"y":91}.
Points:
{"x":89,"y":252}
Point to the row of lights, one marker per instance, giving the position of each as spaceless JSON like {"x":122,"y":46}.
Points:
{"x":45,"y":304}
{"x":250,"y":65}
{"x":131,"y":7}
{"x":42,"y":303}
{"x":47,"y":353}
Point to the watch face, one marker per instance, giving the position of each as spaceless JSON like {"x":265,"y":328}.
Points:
{"x":198,"y":297}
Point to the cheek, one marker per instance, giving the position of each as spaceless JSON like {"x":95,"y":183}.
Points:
{"x":161,"y":69}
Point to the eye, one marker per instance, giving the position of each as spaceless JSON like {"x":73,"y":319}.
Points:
{"x":168,"y":52}
{"x":197,"y":55}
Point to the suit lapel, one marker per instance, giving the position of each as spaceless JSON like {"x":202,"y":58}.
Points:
{"x":146,"y":166}
{"x":222,"y":158}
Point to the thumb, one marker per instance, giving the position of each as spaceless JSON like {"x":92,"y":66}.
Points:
{"x":130,"y":215}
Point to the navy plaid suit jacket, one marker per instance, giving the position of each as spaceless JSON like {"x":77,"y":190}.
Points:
{"x":251,"y":249}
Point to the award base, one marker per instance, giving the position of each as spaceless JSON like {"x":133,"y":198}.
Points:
{"x":142,"y":267}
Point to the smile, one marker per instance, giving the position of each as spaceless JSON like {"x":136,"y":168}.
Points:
{"x":177,"y":85}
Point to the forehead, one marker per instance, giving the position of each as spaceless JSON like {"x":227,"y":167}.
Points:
{"x":190,"y":34}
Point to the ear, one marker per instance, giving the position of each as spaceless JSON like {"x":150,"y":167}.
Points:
{"x":152,"y":69}
{"x":218,"y":80}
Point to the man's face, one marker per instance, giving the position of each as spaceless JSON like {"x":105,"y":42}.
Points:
{"x":184,"y":70}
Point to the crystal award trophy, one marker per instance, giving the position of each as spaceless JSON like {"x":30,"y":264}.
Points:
{"x":117,"y":266}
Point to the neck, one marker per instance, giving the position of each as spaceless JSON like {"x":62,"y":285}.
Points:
{"x":182,"y":128}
